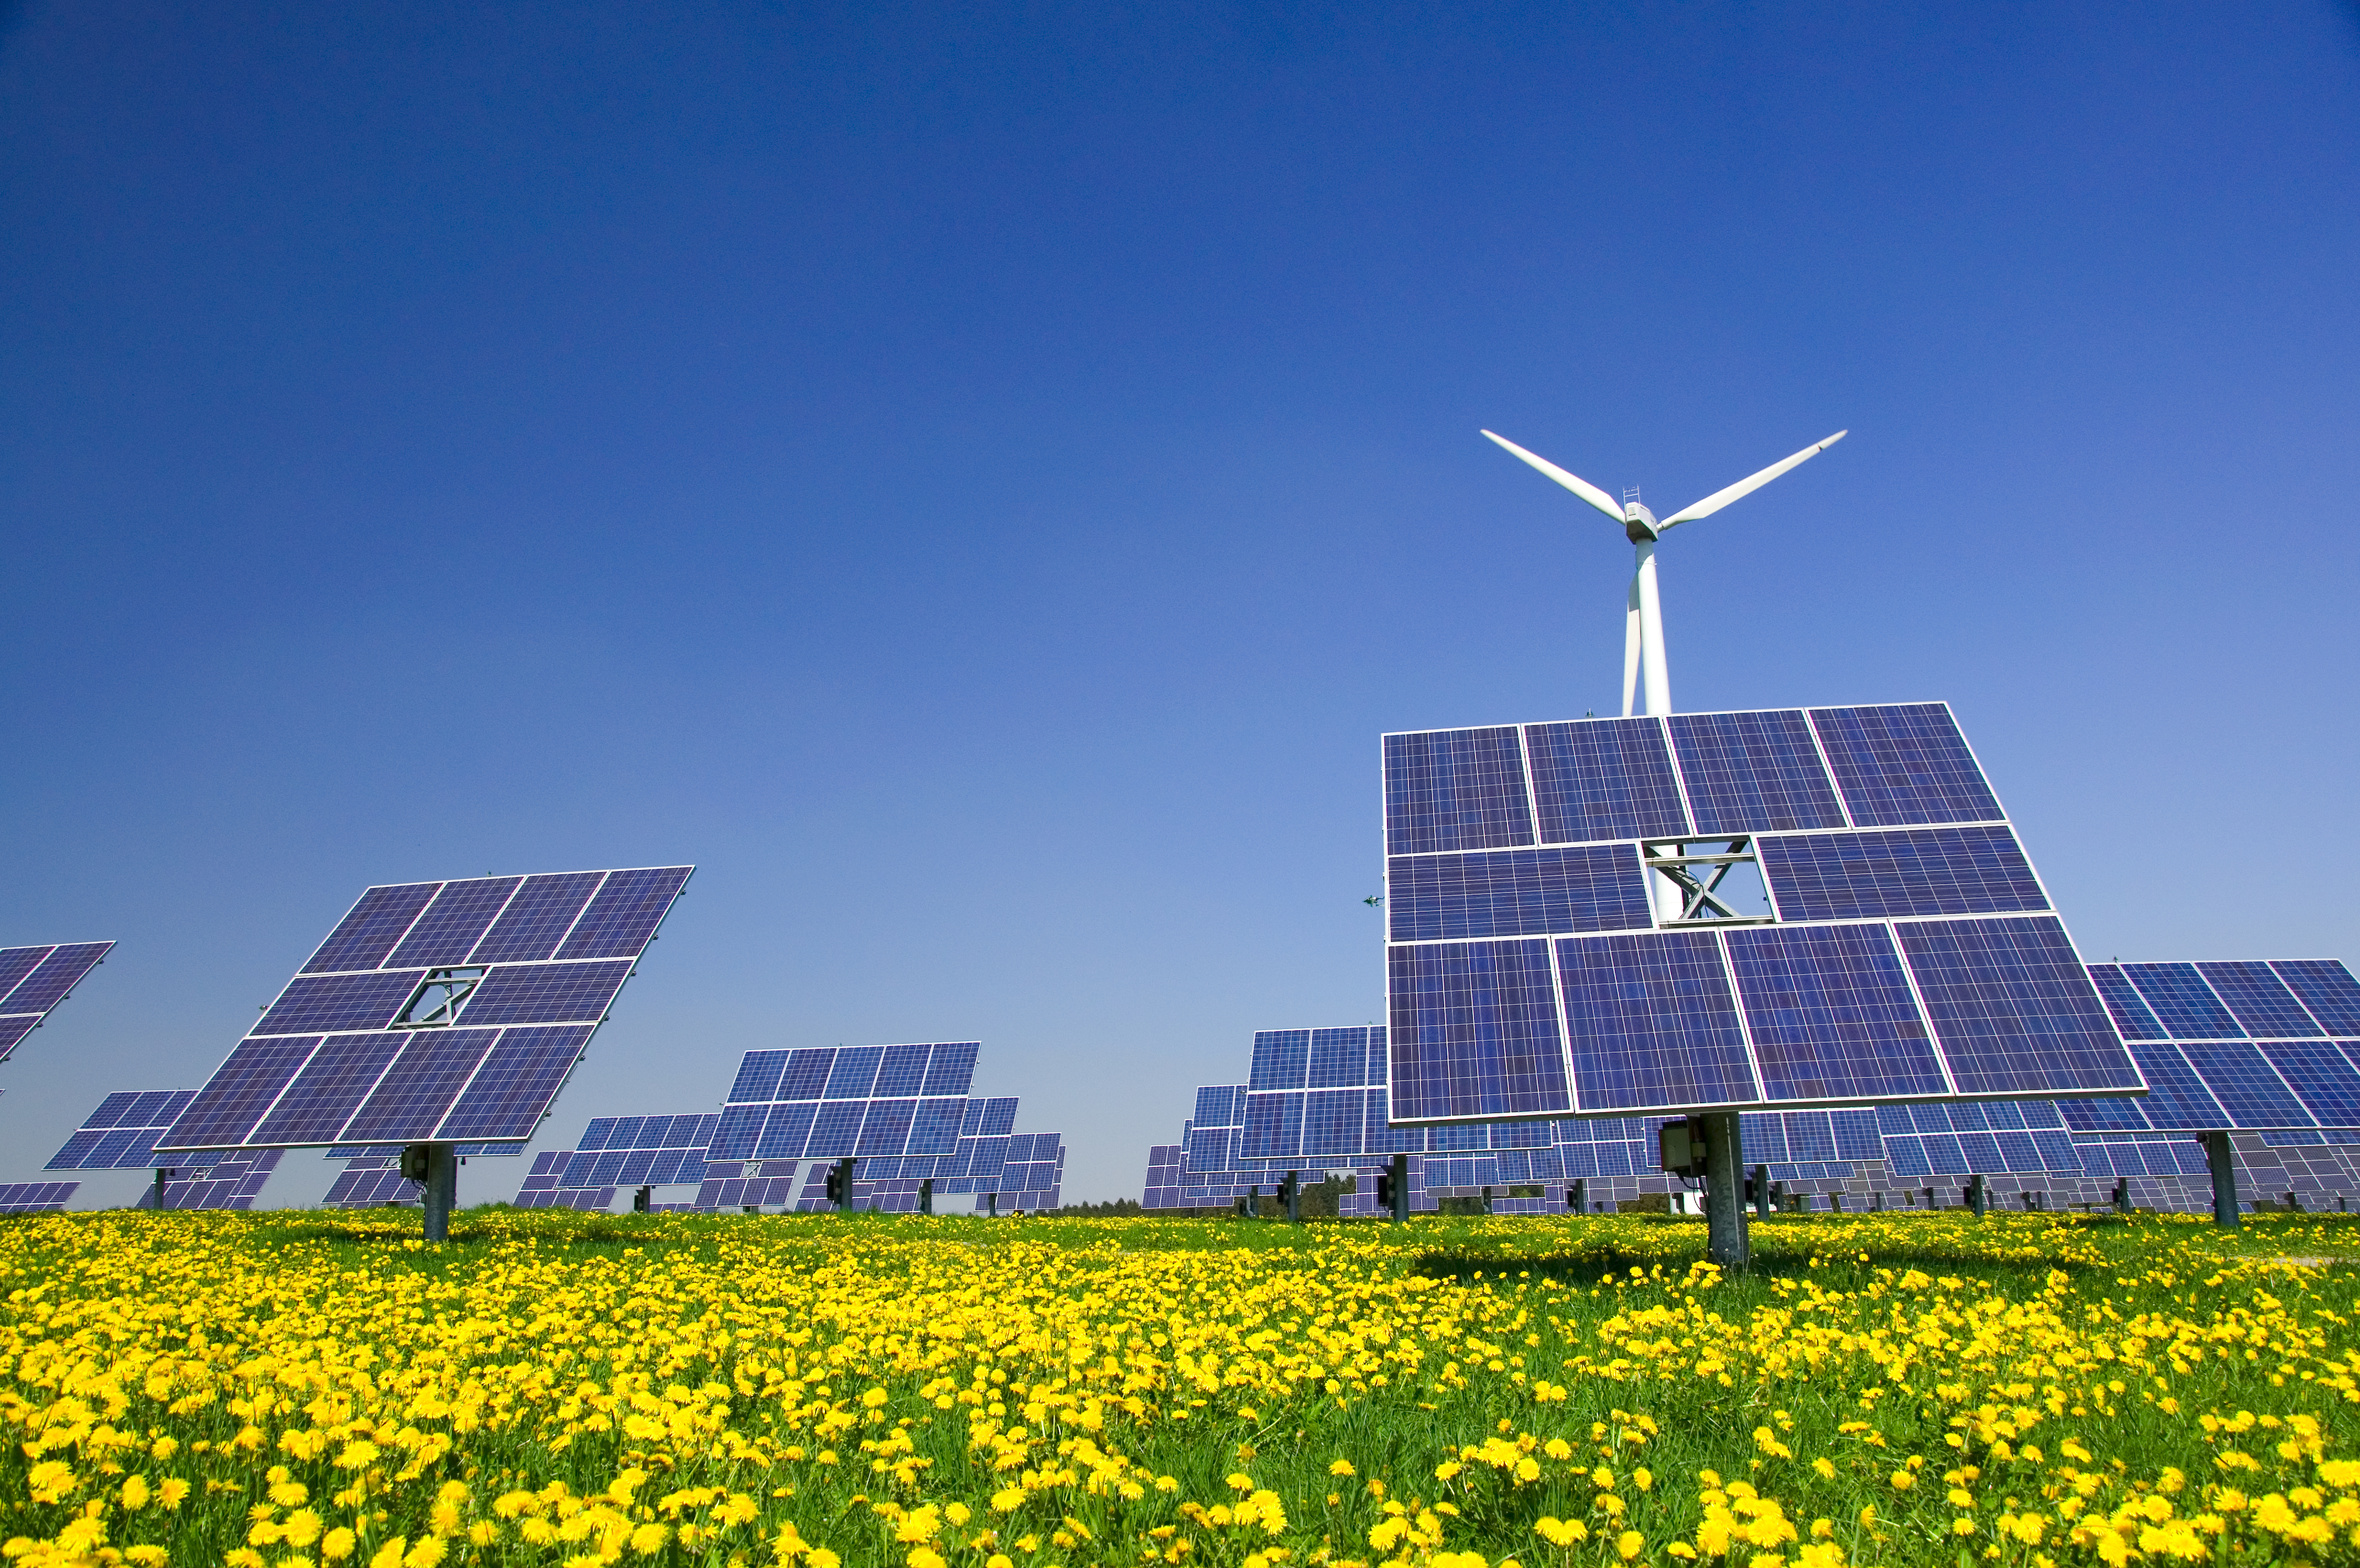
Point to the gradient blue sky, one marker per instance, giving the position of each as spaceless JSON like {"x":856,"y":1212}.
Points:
{"x":978,"y":481}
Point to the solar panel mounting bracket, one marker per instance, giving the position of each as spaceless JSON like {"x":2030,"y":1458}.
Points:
{"x":1698,"y":878}
{"x":437,"y":1002}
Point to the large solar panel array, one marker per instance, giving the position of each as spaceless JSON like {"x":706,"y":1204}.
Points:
{"x":121,"y":1134}
{"x":33,"y":980}
{"x":641,"y":1151}
{"x":35,"y":1197}
{"x":541,"y":1189}
{"x":442,"y":1012}
{"x":216,"y":1179}
{"x":1907,"y":950}
{"x":880,"y":1102}
{"x":2262,"y":1046}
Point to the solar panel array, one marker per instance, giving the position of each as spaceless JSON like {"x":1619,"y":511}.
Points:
{"x":1963,"y":1139}
{"x":230,"y":1179}
{"x":435,"y":1012}
{"x":541,"y":1189}
{"x":370,"y":1181}
{"x":121,"y":1134}
{"x":35,"y":1197}
{"x":2271,"y":1046}
{"x":1909,"y":951}
{"x":33,"y":980}
{"x":759,"y":1184}
{"x":854,"y":1101}
{"x":641,"y":1151}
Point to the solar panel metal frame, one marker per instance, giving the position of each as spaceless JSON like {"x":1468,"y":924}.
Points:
{"x":1974,"y":1065}
{"x":316,"y":1022}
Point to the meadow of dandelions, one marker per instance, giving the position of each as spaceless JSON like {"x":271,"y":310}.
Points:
{"x":297,"y":1390}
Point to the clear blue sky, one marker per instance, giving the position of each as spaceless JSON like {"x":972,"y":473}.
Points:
{"x":978,"y":481}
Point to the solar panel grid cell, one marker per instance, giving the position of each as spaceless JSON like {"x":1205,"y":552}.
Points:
{"x":547,"y":993}
{"x":1911,"y":871}
{"x":447,"y":931}
{"x":1832,"y":1015}
{"x":1653,"y":1023}
{"x":537,"y":918}
{"x":2182,"y":1002}
{"x":1455,"y":789}
{"x":1604,"y":779}
{"x":2259,"y":1001}
{"x":2013,"y":1009}
{"x":16,"y":963}
{"x":511,"y":1090}
{"x":2327,"y":991}
{"x":59,"y":971}
{"x":1753,"y":772}
{"x":1518,"y":893}
{"x":1904,"y":764}
{"x":371,"y":928}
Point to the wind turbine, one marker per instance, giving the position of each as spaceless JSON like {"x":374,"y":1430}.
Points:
{"x":1643,"y":620}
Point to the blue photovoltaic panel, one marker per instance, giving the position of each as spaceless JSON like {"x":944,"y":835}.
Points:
{"x":1909,"y":871}
{"x":1282,"y":1060}
{"x":1474,"y":1032}
{"x":2133,"y":1019}
{"x":902,"y":1072}
{"x":2327,"y":991}
{"x":1604,"y":779}
{"x":787,"y":1135}
{"x":622,"y":918}
{"x":1533,"y":892}
{"x":511,"y":1091}
{"x":758,"y":1077}
{"x":999,"y":1117}
{"x":2183,"y":1003}
{"x":419,"y":1087}
{"x":2321,"y":1078}
{"x":457,"y":919}
{"x":2259,"y":1001}
{"x":886,"y":1129}
{"x":639,"y":1151}
{"x":1215,"y":1104}
{"x":951,"y":1070}
{"x":1653,"y":1023}
{"x":241,"y":1090}
{"x":1339,"y":1058}
{"x":2013,"y":1009}
{"x":1904,"y":764}
{"x":546,"y":993}
{"x":46,"y":984}
{"x":365,"y":935}
{"x":320,"y":1100}
{"x":1455,"y":789}
{"x":333,"y":1002}
{"x":806,"y":1076}
{"x":855,"y":1072}
{"x":122,"y":1132}
{"x":18,"y":962}
{"x":485,"y":1071}
{"x":537,"y":918}
{"x":1753,"y":772}
{"x":2247,"y":1086}
{"x":1832,"y":1015}
{"x":1274,"y":1127}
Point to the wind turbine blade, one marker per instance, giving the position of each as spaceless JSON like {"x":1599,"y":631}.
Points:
{"x":1574,"y":482}
{"x":1745,"y":487}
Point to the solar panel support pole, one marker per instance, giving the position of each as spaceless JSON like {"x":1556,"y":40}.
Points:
{"x":1294,"y":1191}
{"x":1724,"y":1202}
{"x":442,"y":1188}
{"x":926,"y":1196}
{"x":1978,"y":1196}
{"x":1398,"y":1197}
{"x":2223,"y":1160}
{"x":1577,"y":1197}
{"x":163,"y":1176}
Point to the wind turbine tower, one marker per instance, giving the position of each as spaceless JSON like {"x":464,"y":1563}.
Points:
{"x":1643,"y":619}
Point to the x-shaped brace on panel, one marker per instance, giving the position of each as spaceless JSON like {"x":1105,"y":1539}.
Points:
{"x":1697,"y":897}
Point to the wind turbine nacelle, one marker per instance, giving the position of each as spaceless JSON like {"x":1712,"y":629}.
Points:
{"x":1639,"y":523}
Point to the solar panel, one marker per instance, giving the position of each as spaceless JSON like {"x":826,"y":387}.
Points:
{"x":640,"y":1151}
{"x":1905,"y":950}
{"x":435,"y":1012}
{"x":216,"y":1179}
{"x":2232,"y":1047}
{"x":870,"y":1102}
{"x":33,"y":981}
{"x":121,"y":1134}
{"x":35,"y":1197}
